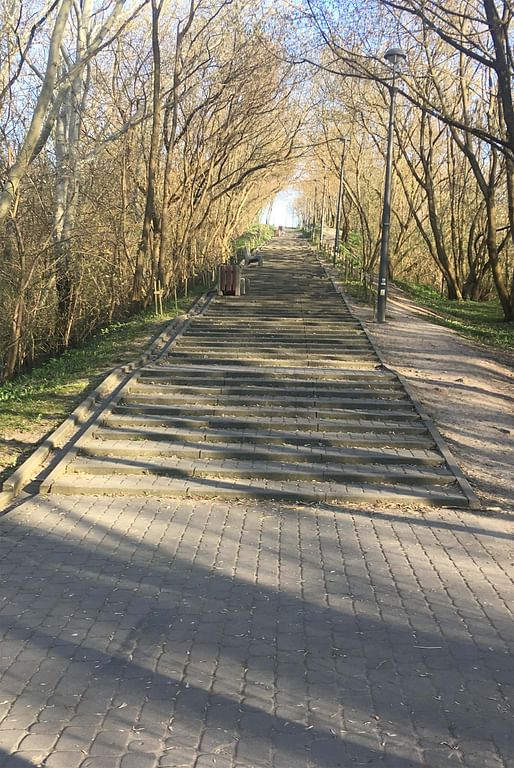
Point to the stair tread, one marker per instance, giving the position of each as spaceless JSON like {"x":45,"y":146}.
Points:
{"x":202,"y":449}
{"x":298,"y":436}
{"x":246,"y":369}
{"x":312,"y":402}
{"x":237,"y":488}
{"x":257,"y":392}
{"x":143,"y":405}
{"x":231,"y":467}
{"x":318,"y":424}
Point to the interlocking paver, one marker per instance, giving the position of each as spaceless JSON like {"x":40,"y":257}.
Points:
{"x":246,"y":634}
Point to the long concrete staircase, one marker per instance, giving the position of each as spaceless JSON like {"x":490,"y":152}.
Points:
{"x":276,"y":394}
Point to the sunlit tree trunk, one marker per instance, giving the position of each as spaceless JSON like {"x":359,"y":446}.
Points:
{"x":67,"y":149}
{"x":151,"y":222}
{"x":46,"y":94}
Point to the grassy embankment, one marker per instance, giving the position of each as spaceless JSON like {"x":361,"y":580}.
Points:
{"x":255,"y":236}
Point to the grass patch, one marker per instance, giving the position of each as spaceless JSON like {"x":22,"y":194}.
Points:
{"x":357,"y":290}
{"x":255,"y":236}
{"x":33,"y":404}
{"x":479,"y":320}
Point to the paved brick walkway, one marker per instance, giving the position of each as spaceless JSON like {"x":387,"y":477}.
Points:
{"x":140,"y":633}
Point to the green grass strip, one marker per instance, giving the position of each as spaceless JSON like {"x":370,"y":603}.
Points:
{"x":254,"y":237}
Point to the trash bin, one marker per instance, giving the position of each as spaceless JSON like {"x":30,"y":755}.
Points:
{"x":229,"y":280}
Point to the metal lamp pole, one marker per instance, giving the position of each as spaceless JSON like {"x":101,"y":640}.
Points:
{"x":339,"y":202}
{"x":314,"y":213}
{"x":322,"y":222}
{"x":394,"y":56}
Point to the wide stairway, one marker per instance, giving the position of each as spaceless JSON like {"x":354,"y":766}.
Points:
{"x":276,"y":394}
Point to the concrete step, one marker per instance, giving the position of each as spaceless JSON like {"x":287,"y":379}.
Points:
{"x":222,"y":338}
{"x":320,"y":303}
{"x":329,"y":440}
{"x":298,"y":346}
{"x":299,"y":376}
{"x":146,"y":405}
{"x":331,"y":395}
{"x":263,"y":324}
{"x":228,"y":401}
{"x":253,"y":330}
{"x":289,"y":385}
{"x":285,"y":335}
{"x":230,"y":468}
{"x":287,"y":311}
{"x":255,"y":451}
{"x":120,"y":414}
{"x":294,"y":351}
{"x":308,"y":361}
{"x":292,"y":323}
{"x":310,"y":430}
{"x":165,"y":487}
{"x":282,"y":333}
{"x":256,"y":352}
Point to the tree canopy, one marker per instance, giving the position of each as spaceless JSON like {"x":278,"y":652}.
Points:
{"x":140,"y":138}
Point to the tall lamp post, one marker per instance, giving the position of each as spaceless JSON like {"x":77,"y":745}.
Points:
{"x":394,"y":57}
{"x":339,"y":202}
{"x":314,"y":213}
{"x":322,"y":221}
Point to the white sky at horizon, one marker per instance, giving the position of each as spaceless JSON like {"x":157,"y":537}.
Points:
{"x":282,"y":209}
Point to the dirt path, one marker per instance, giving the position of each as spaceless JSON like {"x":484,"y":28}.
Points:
{"x":468,"y":390}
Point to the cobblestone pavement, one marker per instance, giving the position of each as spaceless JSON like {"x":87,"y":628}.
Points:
{"x":140,"y":633}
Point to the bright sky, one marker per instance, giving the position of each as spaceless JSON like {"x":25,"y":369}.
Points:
{"x":283,"y":209}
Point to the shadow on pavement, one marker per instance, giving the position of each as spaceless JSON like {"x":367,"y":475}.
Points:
{"x":272,"y":636}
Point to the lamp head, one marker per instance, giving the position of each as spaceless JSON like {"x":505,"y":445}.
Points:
{"x":395,"y":56}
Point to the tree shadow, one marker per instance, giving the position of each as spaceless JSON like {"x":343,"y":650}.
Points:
{"x":160,"y":635}
{"x":470,"y":390}
{"x":13,"y":761}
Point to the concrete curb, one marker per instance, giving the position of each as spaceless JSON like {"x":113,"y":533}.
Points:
{"x":462,"y":481}
{"x":89,"y":408}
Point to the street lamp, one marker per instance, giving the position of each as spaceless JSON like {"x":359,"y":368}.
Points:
{"x":322,"y":222}
{"x":339,"y":202}
{"x":394,"y":57}
{"x":314,"y":213}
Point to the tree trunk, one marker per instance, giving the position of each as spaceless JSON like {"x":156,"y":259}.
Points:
{"x":67,"y":147}
{"x":20,"y":166}
{"x":150,"y":218}
{"x":492,"y":252}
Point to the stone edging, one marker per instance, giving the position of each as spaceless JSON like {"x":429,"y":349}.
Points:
{"x":462,"y":481}
{"x":79,"y":418}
